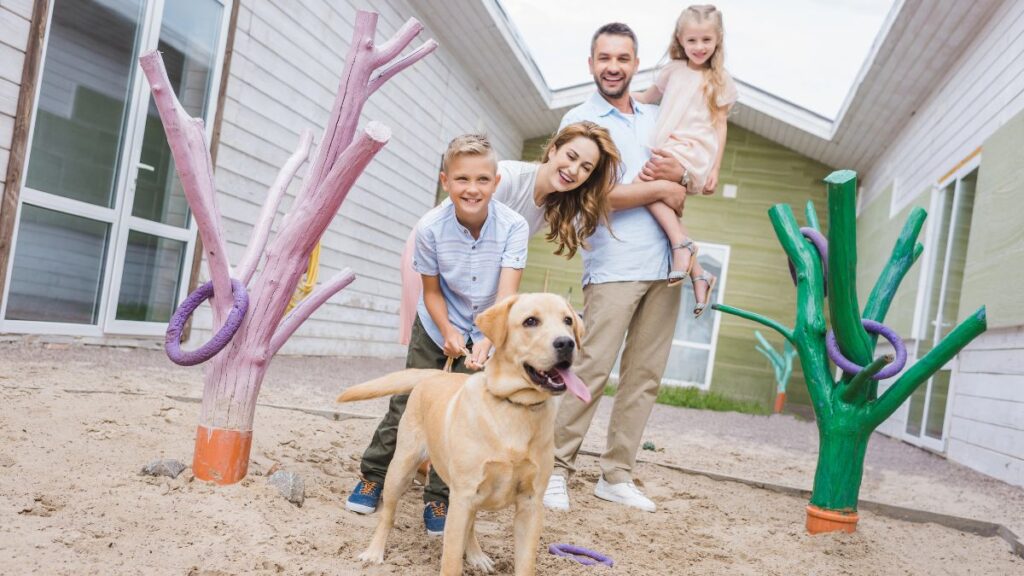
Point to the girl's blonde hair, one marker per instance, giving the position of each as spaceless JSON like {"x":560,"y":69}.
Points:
{"x":573,"y":216}
{"x":714,"y":68}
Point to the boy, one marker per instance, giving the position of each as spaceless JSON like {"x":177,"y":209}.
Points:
{"x":470,"y":254}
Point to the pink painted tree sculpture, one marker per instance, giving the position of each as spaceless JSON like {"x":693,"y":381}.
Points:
{"x":234,"y":375}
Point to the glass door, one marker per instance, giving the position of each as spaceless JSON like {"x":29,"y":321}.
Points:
{"x":156,"y":234}
{"x":952,"y":207}
{"x":692,"y":358}
{"x":98,"y":248}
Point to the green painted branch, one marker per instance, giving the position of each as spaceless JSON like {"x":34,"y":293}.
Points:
{"x":902,"y":258}
{"x":949,"y":347}
{"x":844,"y":309}
{"x":812,"y":216}
{"x":918,"y":250}
{"x":809,"y":329}
{"x":854,"y":391}
{"x":756,"y":318}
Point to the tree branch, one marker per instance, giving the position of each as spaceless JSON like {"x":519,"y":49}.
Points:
{"x":842,"y":268}
{"x":812,"y":216}
{"x":949,"y":347}
{"x":187,"y":140}
{"x":809,"y":328}
{"x":304,"y":309}
{"x":387,"y":51}
{"x":902,"y":258}
{"x":855,"y":389}
{"x":386,"y":73}
{"x":261,"y":231}
{"x":786,"y":332}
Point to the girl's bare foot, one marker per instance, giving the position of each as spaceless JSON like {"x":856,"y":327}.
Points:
{"x":703,"y":285}
{"x":684,"y":255}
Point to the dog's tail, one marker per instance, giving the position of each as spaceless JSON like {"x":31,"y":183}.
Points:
{"x":395,"y":383}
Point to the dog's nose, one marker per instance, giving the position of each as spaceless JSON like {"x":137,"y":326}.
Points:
{"x":564,"y":346}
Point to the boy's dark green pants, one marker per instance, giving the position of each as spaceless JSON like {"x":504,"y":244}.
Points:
{"x":423,"y":353}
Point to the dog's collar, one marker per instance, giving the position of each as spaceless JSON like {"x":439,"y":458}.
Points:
{"x":533,"y":406}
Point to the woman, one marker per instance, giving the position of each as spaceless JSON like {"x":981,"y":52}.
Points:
{"x":567,"y":191}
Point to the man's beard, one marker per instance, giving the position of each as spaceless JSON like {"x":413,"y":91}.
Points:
{"x":612,"y":95}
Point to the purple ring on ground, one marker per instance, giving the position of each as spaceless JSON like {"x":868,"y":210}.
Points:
{"x":580,"y":554}
{"x":172,"y":340}
{"x":821,"y":244}
{"x":875,"y":328}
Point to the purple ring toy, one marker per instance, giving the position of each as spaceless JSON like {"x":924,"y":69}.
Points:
{"x":172,"y":341}
{"x":821,"y":244}
{"x":875,"y":328}
{"x":580,"y":554}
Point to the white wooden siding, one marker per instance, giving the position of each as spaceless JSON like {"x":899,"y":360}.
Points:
{"x":285,"y":69}
{"x":979,"y":93}
{"x":15,"y":22}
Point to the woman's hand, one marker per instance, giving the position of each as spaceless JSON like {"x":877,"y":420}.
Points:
{"x":478,"y":356}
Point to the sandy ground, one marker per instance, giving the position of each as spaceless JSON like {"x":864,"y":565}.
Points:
{"x":77,"y":424}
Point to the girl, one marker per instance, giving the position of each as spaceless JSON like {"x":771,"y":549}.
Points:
{"x":696,"y":94}
{"x":567,"y":191}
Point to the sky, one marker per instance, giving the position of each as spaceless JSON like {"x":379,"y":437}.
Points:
{"x":806,"y":51}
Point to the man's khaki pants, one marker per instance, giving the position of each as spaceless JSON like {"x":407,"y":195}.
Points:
{"x":648,"y":311}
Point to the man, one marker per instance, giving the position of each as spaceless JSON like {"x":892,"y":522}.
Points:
{"x":623,"y":282}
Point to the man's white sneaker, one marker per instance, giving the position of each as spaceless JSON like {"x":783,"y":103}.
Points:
{"x":625,"y":493}
{"x":556,"y":497}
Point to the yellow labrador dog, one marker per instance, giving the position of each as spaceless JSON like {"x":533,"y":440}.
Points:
{"x":490,"y":436}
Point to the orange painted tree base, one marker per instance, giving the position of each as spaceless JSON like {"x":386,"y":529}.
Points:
{"x":221,"y":455}
{"x":780,"y":402}
{"x":820,"y":520}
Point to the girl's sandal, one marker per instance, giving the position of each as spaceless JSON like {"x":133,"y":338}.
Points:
{"x":710,"y":279}
{"x":676,"y":277}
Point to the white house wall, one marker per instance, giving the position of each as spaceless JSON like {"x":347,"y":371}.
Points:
{"x":980,"y":93}
{"x":284,"y":72}
{"x":15,"y":21}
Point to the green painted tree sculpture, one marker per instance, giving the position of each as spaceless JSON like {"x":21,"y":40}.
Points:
{"x":848,"y":410}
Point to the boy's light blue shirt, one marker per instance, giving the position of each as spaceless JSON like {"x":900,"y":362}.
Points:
{"x":468,"y":268}
{"x":639,"y":251}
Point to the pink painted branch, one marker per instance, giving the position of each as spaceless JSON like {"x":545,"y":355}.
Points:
{"x":187,"y":140}
{"x":300,"y":232}
{"x":261,"y":232}
{"x":387,"y":51}
{"x":354,"y":88}
{"x":303,"y":309}
{"x":382,"y":76}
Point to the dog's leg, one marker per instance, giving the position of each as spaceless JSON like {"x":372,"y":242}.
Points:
{"x":527,"y":525}
{"x":409,"y":452}
{"x":456,"y":531}
{"x":475,"y":555}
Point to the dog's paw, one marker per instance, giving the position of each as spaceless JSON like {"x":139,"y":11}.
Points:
{"x":480,"y":561}
{"x":373,"y":556}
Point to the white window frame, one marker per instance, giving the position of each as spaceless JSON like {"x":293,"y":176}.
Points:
{"x":115,"y":217}
{"x":687,"y":316}
{"x":921,"y":320}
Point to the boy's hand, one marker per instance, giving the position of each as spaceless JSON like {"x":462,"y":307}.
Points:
{"x":478,"y":356}
{"x":454,"y":344}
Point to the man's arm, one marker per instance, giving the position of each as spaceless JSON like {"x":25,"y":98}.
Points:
{"x":626,"y":196}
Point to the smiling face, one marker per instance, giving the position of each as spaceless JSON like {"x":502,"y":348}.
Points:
{"x":573,"y":162}
{"x":613,"y":62}
{"x":699,"y":41}
{"x":470,"y":181}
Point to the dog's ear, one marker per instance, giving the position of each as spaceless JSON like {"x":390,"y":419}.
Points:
{"x":493,"y":322}
{"x":577,"y":326}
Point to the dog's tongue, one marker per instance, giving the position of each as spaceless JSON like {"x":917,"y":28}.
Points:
{"x":574,"y":384}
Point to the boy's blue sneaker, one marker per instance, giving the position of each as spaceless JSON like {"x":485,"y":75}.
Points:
{"x":365,"y":497}
{"x":434,"y":513}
